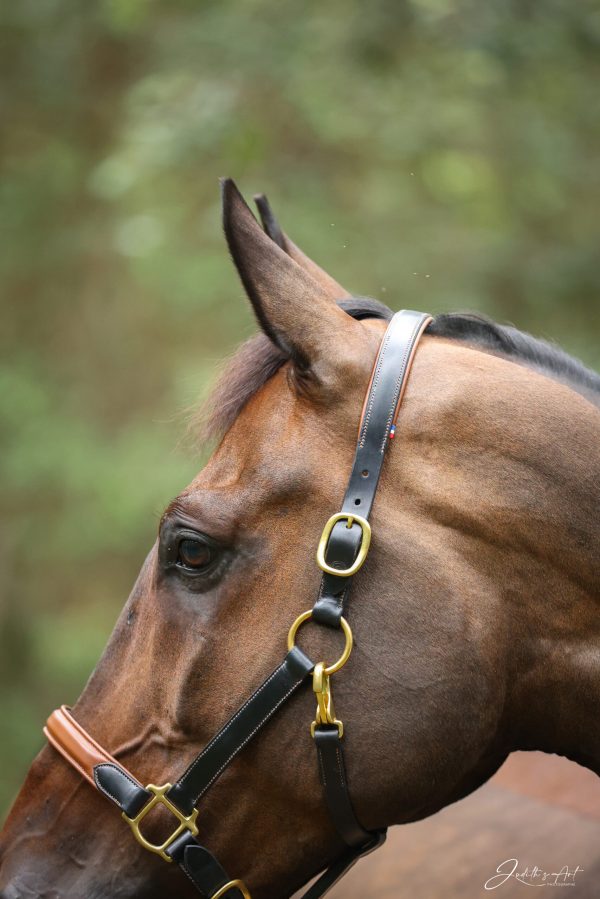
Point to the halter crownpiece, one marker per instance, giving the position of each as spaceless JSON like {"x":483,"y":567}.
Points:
{"x":342,"y":550}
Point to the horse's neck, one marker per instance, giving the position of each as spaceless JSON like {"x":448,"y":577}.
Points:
{"x":554,"y":672}
{"x":555,"y":693}
{"x":553,"y":676}
{"x":548,"y":575}
{"x":511,"y":468}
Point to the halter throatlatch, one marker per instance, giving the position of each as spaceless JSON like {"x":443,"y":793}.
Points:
{"x":342,"y":550}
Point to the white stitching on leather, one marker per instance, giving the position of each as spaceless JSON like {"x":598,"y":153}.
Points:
{"x":187,"y":873}
{"x":375,"y":384}
{"x":322,"y":768}
{"x":340,"y":769}
{"x":218,"y":736}
{"x":230,"y":723}
{"x":107,"y":792}
{"x":399,"y":381}
{"x":249,"y":737}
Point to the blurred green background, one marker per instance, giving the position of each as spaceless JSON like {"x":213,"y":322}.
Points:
{"x":435,"y":154}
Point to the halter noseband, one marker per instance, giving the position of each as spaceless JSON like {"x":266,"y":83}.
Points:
{"x":342,"y":550}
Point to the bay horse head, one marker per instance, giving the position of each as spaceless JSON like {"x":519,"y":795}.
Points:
{"x":475,"y":616}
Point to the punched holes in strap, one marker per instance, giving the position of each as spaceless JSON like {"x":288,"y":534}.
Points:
{"x":388,"y":382}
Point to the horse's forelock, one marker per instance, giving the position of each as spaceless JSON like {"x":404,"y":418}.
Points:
{"x":252,"y":365}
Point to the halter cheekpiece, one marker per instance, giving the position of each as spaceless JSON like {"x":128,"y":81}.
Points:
{"x":342,"y":550}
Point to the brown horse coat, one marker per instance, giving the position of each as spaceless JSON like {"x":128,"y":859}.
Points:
{"x":476,"y":619}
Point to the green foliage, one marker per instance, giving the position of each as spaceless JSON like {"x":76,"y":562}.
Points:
{"x":432,"y":153}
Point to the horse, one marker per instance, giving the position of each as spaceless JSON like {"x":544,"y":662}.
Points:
{"x":475,"y":617}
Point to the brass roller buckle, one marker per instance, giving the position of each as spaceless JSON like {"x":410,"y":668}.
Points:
{"x":350,"y":519}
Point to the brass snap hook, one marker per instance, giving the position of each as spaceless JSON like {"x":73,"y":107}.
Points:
{"x":325,"y":713}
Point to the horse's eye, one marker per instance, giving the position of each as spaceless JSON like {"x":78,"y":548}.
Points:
{"x":195,"y":554}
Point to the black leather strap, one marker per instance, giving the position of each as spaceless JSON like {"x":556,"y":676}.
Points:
{"x":201,"y":866}
{"x":240,"y":729}
{"x":387,"y":384}
{"x":195,"y":860}
{"x":332,"y":772}
{"x":121,"y":789}
{"x":208,"y":876}
{"x":335,"y":872}
{"x":198,"y":863}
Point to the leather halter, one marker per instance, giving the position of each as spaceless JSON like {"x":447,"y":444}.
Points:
{"x":342,"y":550}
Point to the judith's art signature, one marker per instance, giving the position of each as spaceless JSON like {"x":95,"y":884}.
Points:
{"x":532,"y":876}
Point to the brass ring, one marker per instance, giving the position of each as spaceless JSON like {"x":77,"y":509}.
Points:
{"x":306,"y":616}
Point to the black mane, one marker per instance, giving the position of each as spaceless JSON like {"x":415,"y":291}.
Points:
{"x":258,"y":359}
{"x":520,"y":347}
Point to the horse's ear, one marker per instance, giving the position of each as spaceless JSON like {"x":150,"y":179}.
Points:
{"x":273,"y":229}
{"x":291,"y":307}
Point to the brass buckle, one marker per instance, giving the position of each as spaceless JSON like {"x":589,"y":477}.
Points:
{"x":362,"y":552}
{"x":159,"y":798}
{"x":325,"y":713}
{"x":306,"y":616}
{"x":233,"y":884}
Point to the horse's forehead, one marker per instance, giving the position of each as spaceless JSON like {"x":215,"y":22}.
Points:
{"x":273,"y":441}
